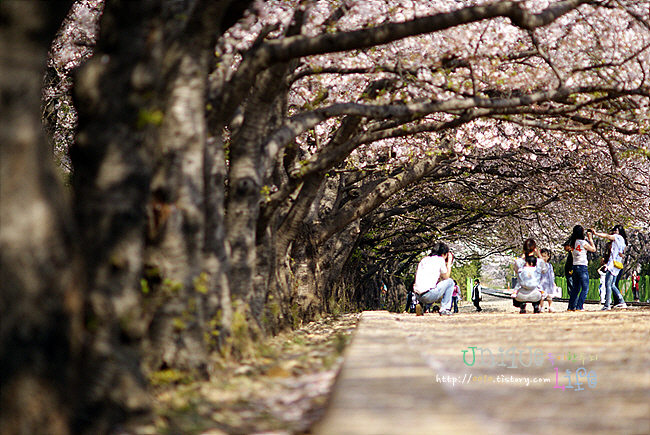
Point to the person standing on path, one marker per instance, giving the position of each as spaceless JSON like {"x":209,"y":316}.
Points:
{"x":579,"y":249}
{"x":548,"y":281}
{"x":454,"y":296}
{"x":635,"y":287}
{"x":602,"y":272}
{"x":614,"y":264}
{"x":615,"y":298}
{"x":568,"y":268}
{"x":432,"y":280}
{"x":477,"y":296}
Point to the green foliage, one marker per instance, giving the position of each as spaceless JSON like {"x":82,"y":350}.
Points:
{"x":144,"y":286}
{"x":213,"y":331}
{"x":239,"y":325}
{"x":265,"y":191}
{"x":201,"y":283}
{"x":340,"y":341}
{"x":645,"y":269}
{"x":274,"y":307}
{"x":240,"y":343}
{"x":152,"y":273}
{"x":149,"y":118}
{"x":339,"y":305}
{"x":168,"y":377}
{"x":178,"y":324}
{"x":171,"y":286}
{"x":409,"y":280}
{"x":460,"y":273}
{"x":356,"y":255}
{"x":592,"y":267}
{"x":295,"y":315}
{"x":272,"y":313}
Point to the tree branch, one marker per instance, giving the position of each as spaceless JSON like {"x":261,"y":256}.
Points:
{"x":295,"y":47}
{"x":368,"y":203}
{"x":300,"y":46}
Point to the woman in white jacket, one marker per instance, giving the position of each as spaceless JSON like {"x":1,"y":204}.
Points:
{"x":528,"y":270}
{"x":614,"y":265}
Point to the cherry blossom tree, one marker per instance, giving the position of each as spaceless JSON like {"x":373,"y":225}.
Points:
{"x":235,"y":162}
{"x":514,"y":91}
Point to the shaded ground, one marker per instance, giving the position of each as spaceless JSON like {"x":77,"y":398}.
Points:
{"x":282,"y":390}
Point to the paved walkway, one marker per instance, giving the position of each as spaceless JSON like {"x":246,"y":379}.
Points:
{"x":405,"y":374}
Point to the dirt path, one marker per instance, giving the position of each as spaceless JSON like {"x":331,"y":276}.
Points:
{"x":529,"y":384}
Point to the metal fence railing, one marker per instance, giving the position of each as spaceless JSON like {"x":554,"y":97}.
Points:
{"x":624,"y":285}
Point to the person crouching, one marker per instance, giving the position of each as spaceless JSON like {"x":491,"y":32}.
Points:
{"x":528,"y":270}
{"x":432,"y":279}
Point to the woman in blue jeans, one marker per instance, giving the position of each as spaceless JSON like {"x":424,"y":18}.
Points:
{"x":614,"y":265}
{"x":579,"y":248}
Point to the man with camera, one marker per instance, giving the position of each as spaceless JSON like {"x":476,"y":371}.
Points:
{"x":432,"y":280}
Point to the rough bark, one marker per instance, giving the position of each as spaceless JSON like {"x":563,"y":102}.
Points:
{"x":187,"y":264}
{"x":263,"y":112}
{"x":112,"y":174}
{"x":215,"y":175}
{"x":216,"y":261}
{"x":176,"y":212}
{"x":41,"y":297}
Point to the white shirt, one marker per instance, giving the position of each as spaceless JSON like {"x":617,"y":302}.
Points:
{"x":520,"y":264}
{"x":547,"y":280}
{"x":580,"y":253}
{"x":428,"y":273}
{"x":618,"y":246}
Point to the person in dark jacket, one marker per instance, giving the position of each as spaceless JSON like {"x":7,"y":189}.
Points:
{"x":476,"y":294}
{"x":568,"y":267}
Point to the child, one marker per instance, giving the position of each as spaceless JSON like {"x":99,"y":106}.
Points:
{"x":547,"y":282}
{"x":602,"y":271}
{"x":411,"y":301}
{"x":477,"y":297}
{"x":454,"y":296}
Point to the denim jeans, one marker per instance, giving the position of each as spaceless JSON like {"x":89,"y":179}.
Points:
{"x":617,"y":298}
{"x":610,"y":288}
{"x":569,"y":284}
{"x":441,"y":292}
{"x":580,"y":288}
{"x":454,"y":300}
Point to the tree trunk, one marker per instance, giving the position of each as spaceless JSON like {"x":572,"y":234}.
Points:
{"x":264,"y":111}
{"x":218,"y":304}
{"x":186,"y":257}
{"x":176,"y":219}
{"x":41,"y":297}
{"x":111,"y":179}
